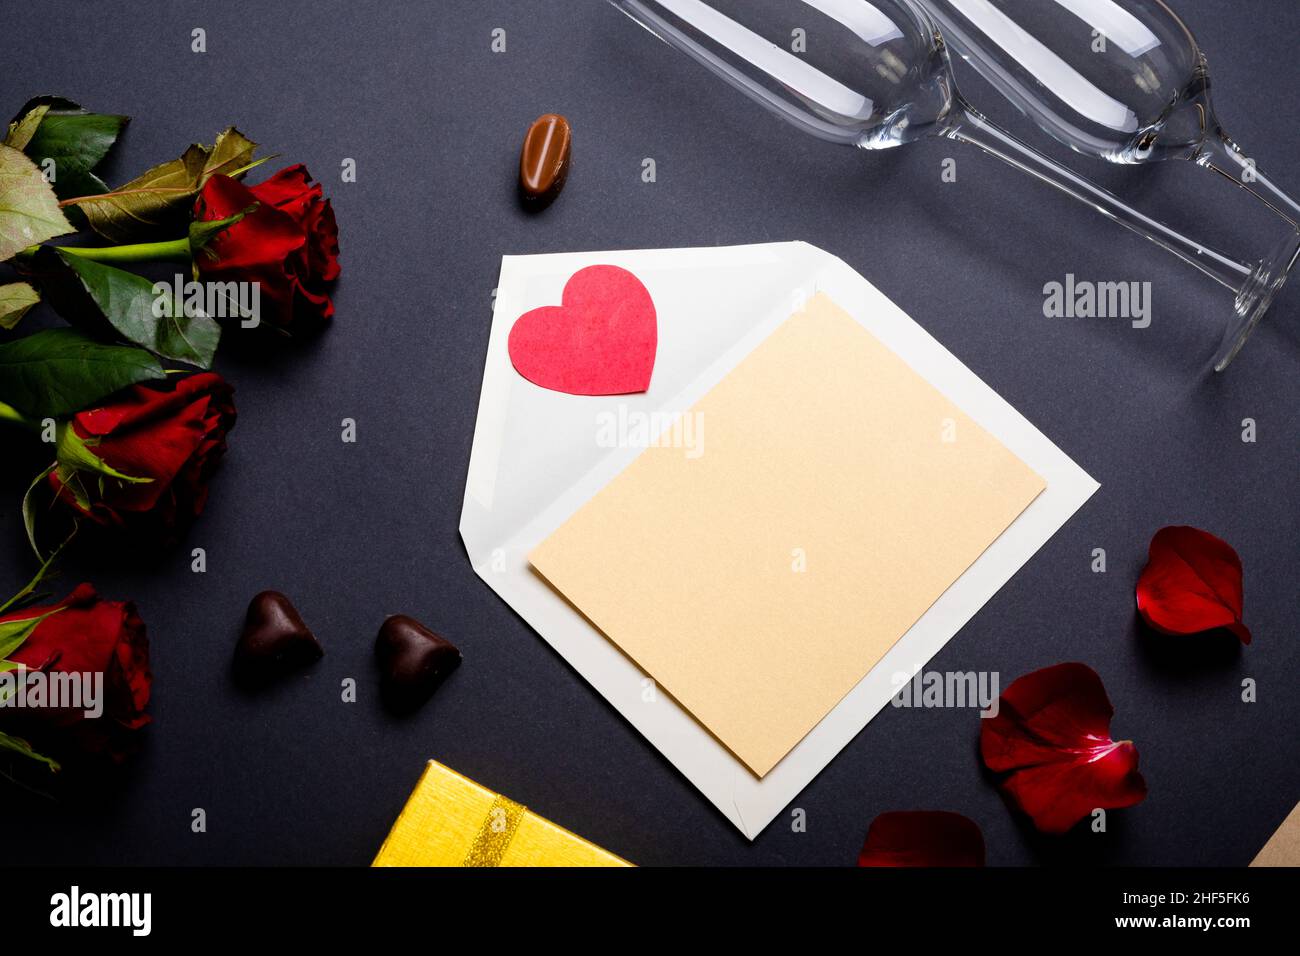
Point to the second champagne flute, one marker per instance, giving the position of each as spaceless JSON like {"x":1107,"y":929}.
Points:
{"x":878,"y":76}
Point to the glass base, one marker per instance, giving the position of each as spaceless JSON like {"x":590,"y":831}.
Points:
{"x":1256,"y":296}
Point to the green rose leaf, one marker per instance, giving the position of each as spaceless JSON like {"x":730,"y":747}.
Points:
{"x":27,"y":590}
{"x":90,"y":293}
{"x":75,"y":139}
{"x":22,"y":747}
{"x":60,"y":371}
{"x":15,"y":299}
{"x":203,"y":231}
{"x":23,"y":128}
{"x":76,"y":464}
{"x":74,"y":454}
{"x":161,"y":200}
{"x":29,"y":514}
{"x":29,"y":211}
{"x":14,"y":633}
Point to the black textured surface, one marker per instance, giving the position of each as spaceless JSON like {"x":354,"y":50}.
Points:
{"x":355,"y":532}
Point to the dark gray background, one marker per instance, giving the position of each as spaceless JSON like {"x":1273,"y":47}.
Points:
{"x":355,"y":532}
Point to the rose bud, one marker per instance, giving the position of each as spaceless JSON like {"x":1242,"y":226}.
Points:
{"x":141,"y":462}
{"x":289,"y":244}
{"x":84,"y":635}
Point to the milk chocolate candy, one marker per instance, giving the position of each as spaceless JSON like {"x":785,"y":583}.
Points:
{"x":544,"y":159}
{"x":413,"y":662}
{"x":275,"y":641}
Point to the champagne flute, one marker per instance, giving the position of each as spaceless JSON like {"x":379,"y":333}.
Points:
{"x":878,"y":76}
{"x":1122,"y":80}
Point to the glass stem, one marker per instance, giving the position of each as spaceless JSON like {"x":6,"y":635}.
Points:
{"x":968,"y":126}
{"x":1225,"y":157}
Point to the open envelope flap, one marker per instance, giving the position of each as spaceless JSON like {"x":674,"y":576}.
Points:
{"x":537,"y":459}
{"x":531,"y":444}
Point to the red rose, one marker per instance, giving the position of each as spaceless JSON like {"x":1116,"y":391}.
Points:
{"x":289,"y":245}
{"x":86,"y":635}
{"x":171,"y":432}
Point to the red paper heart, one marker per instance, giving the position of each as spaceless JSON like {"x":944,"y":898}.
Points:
{"x":1052,"y":733}
{"x":1192,"y":583}
{"x":600,"y":340}
{"x":922,"y":838}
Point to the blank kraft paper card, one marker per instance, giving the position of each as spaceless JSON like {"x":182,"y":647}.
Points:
{"x":828,"y":497}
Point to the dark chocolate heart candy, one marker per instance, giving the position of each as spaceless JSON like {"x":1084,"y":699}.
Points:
{"x":275,"y":641}
{"x":413,"y":661}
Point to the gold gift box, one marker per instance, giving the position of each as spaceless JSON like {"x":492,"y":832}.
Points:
{"x":450,"y":820}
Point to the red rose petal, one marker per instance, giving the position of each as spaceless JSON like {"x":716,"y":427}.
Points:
{"x":922,"y":838}
{"x":90,"y":635}
{"x":286,"y":186}
{"x":288,"y":245}
{"x":1192,"y":583}
{"x":172,"y":432}
{"x":1052,"y":734}
{"x":323,"y":249}
{"x":266,"y":235}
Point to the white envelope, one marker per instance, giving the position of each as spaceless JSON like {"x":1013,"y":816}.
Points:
{"x":536,"y":460}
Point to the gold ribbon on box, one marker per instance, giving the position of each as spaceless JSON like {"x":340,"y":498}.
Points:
{"x":494,"y":836}
{"x":449,"y":820}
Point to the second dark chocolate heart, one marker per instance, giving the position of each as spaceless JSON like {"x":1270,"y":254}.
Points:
{"x":275,"y":641}
{"x":413,"y":661}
